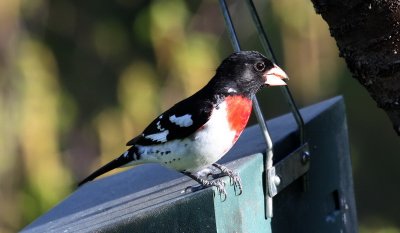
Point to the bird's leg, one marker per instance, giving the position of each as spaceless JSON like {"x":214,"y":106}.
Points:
{"x":219,"y":184}
{"x":235,"y":179}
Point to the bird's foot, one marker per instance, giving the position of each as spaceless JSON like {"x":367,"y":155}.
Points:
{"x":234,"y":178}
{"x":217,"y":183}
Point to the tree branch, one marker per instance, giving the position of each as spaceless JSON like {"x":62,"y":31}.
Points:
{"x":368,"y":36}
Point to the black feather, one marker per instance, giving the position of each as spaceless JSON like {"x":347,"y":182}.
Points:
{"x":118,"y":162}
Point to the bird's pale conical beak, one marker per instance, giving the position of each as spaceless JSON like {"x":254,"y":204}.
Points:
{"x":275,"y":77}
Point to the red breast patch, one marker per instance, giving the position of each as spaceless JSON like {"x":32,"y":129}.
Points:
{"x":238,"y":111}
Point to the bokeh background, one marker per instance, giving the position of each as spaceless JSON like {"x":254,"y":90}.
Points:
{"x":78,"y":79}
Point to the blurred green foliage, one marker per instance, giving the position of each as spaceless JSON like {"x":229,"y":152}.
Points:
{"x":78,"y":79}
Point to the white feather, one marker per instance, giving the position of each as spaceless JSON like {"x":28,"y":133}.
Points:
{"x":159,"y":137}
{"x":182,"y":121}
{"x":159,"y":126}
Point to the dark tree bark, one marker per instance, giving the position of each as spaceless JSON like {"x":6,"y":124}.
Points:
{"x":368,"y":37}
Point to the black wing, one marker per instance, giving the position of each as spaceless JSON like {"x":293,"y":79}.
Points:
{"x":162,"y":129}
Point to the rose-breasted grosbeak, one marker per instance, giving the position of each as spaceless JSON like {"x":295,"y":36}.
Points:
{"x":198,"y":131}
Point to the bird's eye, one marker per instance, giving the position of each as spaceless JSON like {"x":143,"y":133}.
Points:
{"x":259,"y":66}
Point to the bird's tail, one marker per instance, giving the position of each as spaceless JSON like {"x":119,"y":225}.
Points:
{"x":121,"y":161}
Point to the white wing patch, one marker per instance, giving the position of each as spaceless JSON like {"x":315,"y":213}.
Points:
{"x":159,"y":137}
{"x":182,"y":121}
{"x":159,"y":126}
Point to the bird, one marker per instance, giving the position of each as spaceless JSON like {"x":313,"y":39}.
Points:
{"x":195,"y":133}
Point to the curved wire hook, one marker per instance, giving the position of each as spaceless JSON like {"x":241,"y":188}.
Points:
{"x":269,"y":171}
{"x":257,"y":109}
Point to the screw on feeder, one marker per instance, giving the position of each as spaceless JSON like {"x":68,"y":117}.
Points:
{"x":305,"y":157}
{"x":277,"y":180}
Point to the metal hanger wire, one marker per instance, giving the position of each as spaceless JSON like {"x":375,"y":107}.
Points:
{"x":260,"y":118}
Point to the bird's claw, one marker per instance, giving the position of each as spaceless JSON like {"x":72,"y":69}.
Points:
{"x":218,"y":184}
{"x":236,"y":181}
{"x":193,"y":188}
{"x":234,"y":178}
